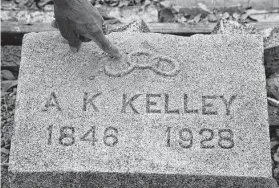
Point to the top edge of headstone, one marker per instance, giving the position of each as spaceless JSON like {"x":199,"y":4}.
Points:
{"x":51,"y":41}
{"x":53,"y":34}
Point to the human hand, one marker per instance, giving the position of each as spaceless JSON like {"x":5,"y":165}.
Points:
{"x":79,"y":21}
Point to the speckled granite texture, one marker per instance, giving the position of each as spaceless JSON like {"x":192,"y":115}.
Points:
{"x":173,"y":112}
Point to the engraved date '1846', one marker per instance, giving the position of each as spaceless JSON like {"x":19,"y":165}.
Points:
{"x":67,"y":136}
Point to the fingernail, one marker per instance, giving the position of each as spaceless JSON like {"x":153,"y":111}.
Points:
{"x":73,"y":49}
{"x":116,"y":54}
{"x":54,"y":24}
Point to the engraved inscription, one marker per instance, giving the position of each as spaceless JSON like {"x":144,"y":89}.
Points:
{"x":186,"y":139}
{"x":49,"y":134}
{"x":228,"y":103}
{"x":167,"y":110}
{"x":226,"y":139}
{"x":153,"y":64}
{"x":68,"y":137}
{"x":125,"y":103}
{"x":86,"y":136}
{"x":52,"y":101}
{"x":206,"y":105}
{"x":186,"y":110}
{"x":110,"y":136}
{"x":90,"y":101}
{"x":150,"y":102}
{"x":156,"y":103}
{"x":208,"y":135}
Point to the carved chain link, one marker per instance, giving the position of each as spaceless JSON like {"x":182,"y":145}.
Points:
{"x":154,"y":60}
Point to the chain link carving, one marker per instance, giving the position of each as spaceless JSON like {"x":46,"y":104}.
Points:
{"x":152,"y":64}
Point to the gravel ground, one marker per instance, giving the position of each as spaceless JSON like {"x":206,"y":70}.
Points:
{"x":274,"y":142}
{"x":7,"y":121}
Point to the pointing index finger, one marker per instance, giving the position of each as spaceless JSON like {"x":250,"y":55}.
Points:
{"x":106,"y":45}
{"x":95,"y":33}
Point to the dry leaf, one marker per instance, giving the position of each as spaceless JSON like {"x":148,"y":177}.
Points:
{"x":166,"y":4}
{"x":277,"y":133}
{"x":268,"y":17}
{"x":192,"y":12}
{"x":8,"y":75}
{"x":42,"y":3}
{"x":182,"y":19}
{"x":212,"y":18}
{"x":236,"y":16}
{"x":243,"y":17}
{"x":176,"y":7}
{"x":145,"y":4}
{"x":197,"y":18}
{"x":254,"y":11}
{"x":137,"y":2}
{"x":5,"y":151}
{"x":21,"y":2}
{"x":274,"y":142}
{"x":166,"y":15}
{"x":204,"y":7}
{"x":273,"y":102}
{"x":7,"y":84}
{"x":129,"y":14}
{"x":8,"y":5}
{"x":276,"y":156}
{"x":273,"y":86}
{"x":226,"y":15}
{"x":3,"y":93}
{"x":123,"y":3}
{"x":114,"y":3}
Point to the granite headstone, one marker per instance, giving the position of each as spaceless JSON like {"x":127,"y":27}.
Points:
{"x":173,"y":112}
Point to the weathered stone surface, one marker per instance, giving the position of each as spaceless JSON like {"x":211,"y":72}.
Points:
{"x":175,"y":111}
{"x":271,"y":42}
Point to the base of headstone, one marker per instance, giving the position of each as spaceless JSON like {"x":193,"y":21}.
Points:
{"x":88,"y":179}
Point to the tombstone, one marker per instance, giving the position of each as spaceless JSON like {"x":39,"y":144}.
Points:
{"x":173,"y":112}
